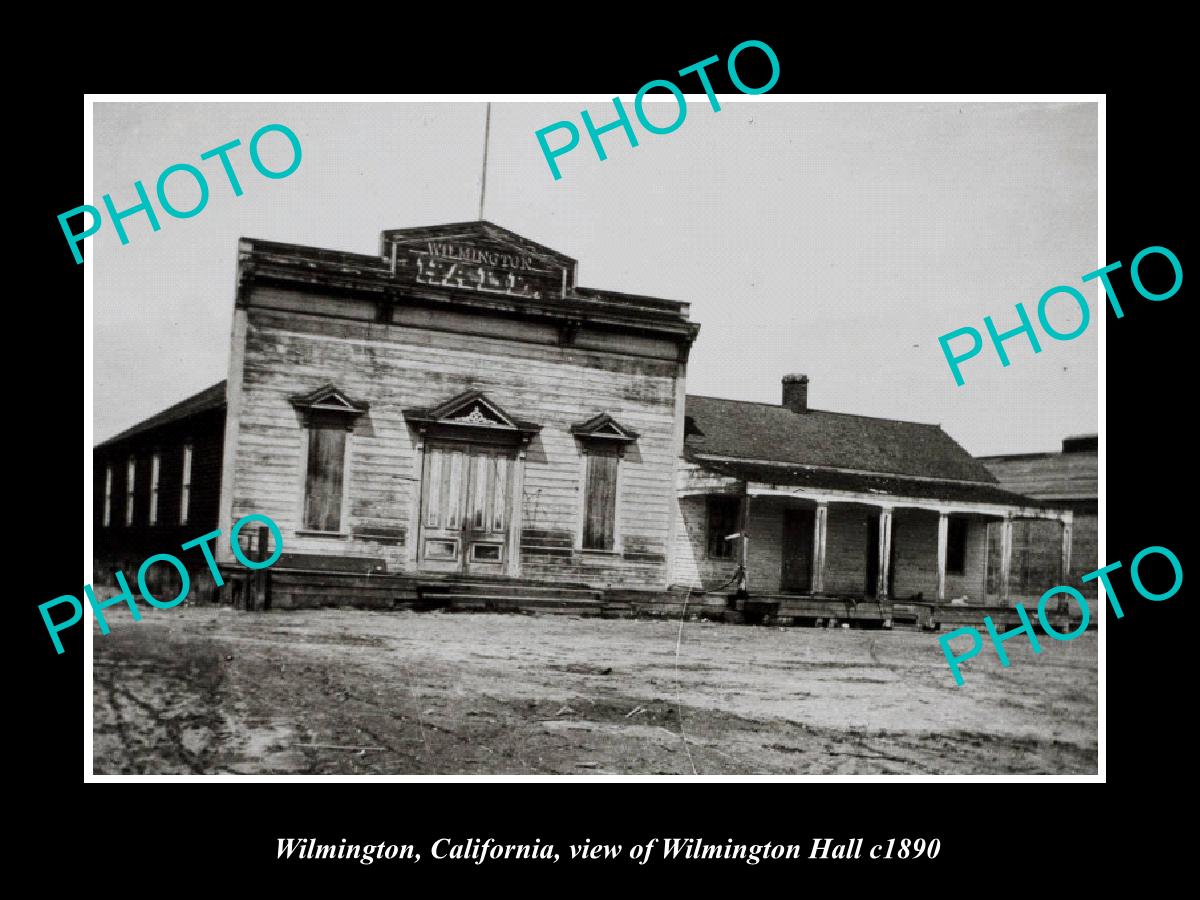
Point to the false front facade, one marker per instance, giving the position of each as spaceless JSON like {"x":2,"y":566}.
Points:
{"x":456,"y":408}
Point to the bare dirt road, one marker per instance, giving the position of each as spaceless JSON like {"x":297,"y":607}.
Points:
{"x":214,"y":690}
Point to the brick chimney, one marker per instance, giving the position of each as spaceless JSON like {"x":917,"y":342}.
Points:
{"x":795,"y":393}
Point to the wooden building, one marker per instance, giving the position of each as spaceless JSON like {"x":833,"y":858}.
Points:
{"x":455,"y":414}
{"x":156,"y":486}
{"x":456,"y":421}
{"x":1069,"y":480}
{"x":834,"y":516}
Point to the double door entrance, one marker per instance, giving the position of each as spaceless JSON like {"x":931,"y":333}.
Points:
{"x":466,"y":508}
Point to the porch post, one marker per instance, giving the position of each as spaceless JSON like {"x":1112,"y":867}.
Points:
{"x":885,"y":552}
{"x":1006,"y":552}
{"x":1065,"y":562}
{"x":820,"y":527}
{"x":943,"y":539}
{"x":744,"y":531}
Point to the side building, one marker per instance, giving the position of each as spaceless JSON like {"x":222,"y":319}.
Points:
{"x":1069,"y":479}
{"x":156,"y":486}
{"x":835,"y":517}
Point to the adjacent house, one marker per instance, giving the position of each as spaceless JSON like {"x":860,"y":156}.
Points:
{"x":155,"y":486}
{"x":838,"y":516}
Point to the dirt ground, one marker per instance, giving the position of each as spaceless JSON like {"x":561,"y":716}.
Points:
{"x":332,"y":691}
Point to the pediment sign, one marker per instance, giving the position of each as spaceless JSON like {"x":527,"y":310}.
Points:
{"x":479,"y":257}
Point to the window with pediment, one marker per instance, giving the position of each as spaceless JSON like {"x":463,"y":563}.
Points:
{"x":328,"y":415}
{"x":603,"y":441}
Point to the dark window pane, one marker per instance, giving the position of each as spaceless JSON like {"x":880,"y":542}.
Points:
{"x":722,"y":521}
{"x":956,"y":546}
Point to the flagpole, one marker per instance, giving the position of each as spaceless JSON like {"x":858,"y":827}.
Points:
{"x":487,"y":128}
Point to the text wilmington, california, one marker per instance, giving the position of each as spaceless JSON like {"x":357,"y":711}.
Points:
{"x":478,"y":851}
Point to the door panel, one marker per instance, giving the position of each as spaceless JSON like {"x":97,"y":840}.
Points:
{"x":466,"y":496}
{"x":441,"y":547}
{"x":600,"y":500}
{"x":485,"y":531}
{"x":796,"y":574}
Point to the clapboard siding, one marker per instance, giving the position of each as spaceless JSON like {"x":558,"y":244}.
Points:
{"x":1085,"y":549}
{"x":1036,"y":560}
{"x":1071,"y":480}
{"x":1047,"y":476}
{"x":392,"y":367}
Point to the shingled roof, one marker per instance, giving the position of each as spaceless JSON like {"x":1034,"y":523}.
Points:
{"x":209,"y":398}
{"x":896,"y":486}
{"x":745,"y":430}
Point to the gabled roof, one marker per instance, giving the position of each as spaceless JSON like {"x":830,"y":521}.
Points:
{"x":329,"y":398}
{"x":604,"y":427}
{"x":746,"y":430}
{"x":208,"y":399}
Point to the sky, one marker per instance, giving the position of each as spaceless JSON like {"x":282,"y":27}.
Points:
{"x":839,"y":240}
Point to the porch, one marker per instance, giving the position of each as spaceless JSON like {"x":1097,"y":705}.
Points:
{"x":817,"y":555}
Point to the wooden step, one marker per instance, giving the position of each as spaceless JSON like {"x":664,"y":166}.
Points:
{"x":513,"y":589}
{"x":328,"y":581}
{"x":481,"y":603}
{"x":515,"y":600}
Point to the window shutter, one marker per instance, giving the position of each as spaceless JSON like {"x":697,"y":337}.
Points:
{"x":323,"y":485}
{"x":108,"y":483}
{"x":600,"y":509}
{"x":155,"y":467}
{"x":185,"y":486}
